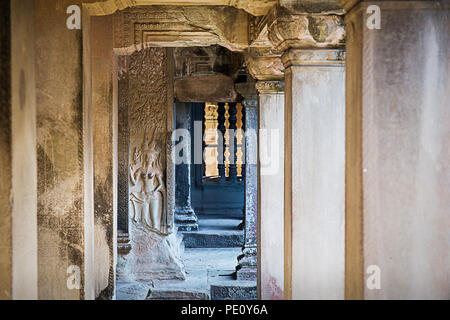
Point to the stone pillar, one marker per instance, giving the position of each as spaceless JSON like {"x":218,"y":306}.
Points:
{"x":248,"y":261}
{"x":271,"y":188}
{"x":314,"y":153}
{"x":123,"y":146}
{"x":18,"y":167}
{"x":64,"y":199}
{"x":397,"y":150}
{"x":185,"y":218}
{"x":104,"y":129}
{"x":155,"y":248}
{"x":265,"y":65}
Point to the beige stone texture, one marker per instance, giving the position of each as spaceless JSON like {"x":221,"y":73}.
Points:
{"x":271,"y":189}
{"x":264,"y":63}
{"x":313,"y":6}
{"x":104,"y":113}
{"x":314,"y":177}
{"x":24,"y":166}
{"x":288,"y":30}
{"x":398,"y":143}
{"x":172,"y":26}
{"x":59,"y":150}
{"x":254,"y":7}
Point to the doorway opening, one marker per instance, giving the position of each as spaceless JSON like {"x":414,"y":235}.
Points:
{"x":200,"y":201}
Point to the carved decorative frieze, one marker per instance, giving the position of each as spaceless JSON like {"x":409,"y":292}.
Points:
{"x":270,"y":86}
{"x":305,"y":31}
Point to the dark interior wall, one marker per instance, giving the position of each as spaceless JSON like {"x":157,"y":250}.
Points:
{"x":212,"y":198}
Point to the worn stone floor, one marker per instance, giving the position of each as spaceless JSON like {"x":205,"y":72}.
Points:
{"x":215,"y":233}
{"x":208,"y":276}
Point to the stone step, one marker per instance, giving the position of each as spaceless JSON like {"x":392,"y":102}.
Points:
{"x":171,"y":294}
{"x":215,"y":233}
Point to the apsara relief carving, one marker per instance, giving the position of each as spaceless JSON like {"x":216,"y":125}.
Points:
{"x":148,"y":94}
{"x":147,"y":182}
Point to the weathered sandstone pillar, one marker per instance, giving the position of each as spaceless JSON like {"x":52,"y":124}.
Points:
{"x":271,"y":184}
{"x":185,"y":218}
{"x":64,"y":163}
{"x":155,"y":247}
{"x":123,"y":146}
{"x":104,"y":126}
{"x":264,"y":64}
{"x":18,"y":167}
{"x":248,"y":261}
{"x":314,"y":153}
{"x":398,"y":146}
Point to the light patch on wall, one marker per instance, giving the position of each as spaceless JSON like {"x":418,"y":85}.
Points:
{"x":102,"y":258}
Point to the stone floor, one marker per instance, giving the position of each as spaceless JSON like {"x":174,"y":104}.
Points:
{"x":208,"y":276}
{"x":215,"y":233}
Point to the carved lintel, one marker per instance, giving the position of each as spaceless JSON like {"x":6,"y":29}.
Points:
{"x":270,"y":86}
{"x":289,"y":30}
{"x":105,"y":7}
{"x":313,"y":57}
{"x":264,"y":64}
{"x":179,"y":26}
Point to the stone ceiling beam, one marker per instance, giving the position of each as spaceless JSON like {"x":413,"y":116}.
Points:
{"x":254,"y":7}
{"x":313,"y":6}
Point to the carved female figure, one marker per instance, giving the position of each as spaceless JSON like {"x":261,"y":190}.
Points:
{"x":154,"y":215}
{"x":148,"y":189}
{"x":137,"y":180}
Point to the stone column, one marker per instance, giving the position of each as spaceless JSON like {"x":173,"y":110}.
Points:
{"x":104,"y":130}
{"x":123,"y":146}
{"x":271,"y":184}
{"x":398,"y":173}
{"x":185,"y":218}
{"x":264,"y":64}
{"x":314,"y":153}
{"x":18,"y":167}
{"x":248,"y":261}
{"x":64,"y":157}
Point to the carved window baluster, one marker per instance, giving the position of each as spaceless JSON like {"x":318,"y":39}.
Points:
{"x":232,"y":143}
{"x":211,"y":140}
{"x":221,"y":148}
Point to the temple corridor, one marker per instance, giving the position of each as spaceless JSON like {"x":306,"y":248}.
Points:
{"x":224,"y":150}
